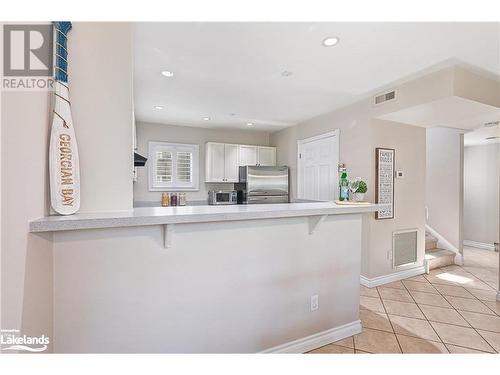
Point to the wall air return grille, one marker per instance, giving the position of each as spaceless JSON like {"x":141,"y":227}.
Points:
{"x":404,"y":247}
{"x":382,"y":98}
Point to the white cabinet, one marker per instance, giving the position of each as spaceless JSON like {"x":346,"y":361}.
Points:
{"x":231,"y":163}
{"x":221,"y":162}
{"x":266,"y":156}
{"x":214,"y":160}
{"x":248,"y":155}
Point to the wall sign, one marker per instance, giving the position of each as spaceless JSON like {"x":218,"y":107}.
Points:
{"x":384,"y":181}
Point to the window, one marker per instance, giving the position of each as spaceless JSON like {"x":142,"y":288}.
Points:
{"x":173,"y":166}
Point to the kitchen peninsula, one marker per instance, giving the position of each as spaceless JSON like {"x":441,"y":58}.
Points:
{"x":207,"y":278}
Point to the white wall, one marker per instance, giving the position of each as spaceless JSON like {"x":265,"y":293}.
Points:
{"x":444,"y":187}
{"x":231,"y":287}
{"x":100,"y":67}
{"x":101,"y":76}
{"x":184,"y":134}
{"x":481,"y":193}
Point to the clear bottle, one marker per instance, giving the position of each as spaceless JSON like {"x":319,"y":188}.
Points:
{"x":343,"y":186}
{"x":182,"y":199}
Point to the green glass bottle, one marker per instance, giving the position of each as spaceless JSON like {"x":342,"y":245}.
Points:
{"x":344,"y":186}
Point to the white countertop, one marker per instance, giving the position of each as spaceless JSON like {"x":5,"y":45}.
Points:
{"x":193,"y":214}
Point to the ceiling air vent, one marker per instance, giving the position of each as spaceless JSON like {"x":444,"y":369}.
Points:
{"x":491,"y":124}
{"x":382,"y":98}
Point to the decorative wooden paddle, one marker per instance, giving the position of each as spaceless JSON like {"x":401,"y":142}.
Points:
{"x":63,"y":151}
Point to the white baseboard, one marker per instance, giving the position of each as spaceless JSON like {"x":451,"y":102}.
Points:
{"x":479,"y":245}
{"x":459,"y":259}
{"x":318,"y":339}
{"x":396,"y":276}
{"x":443,"y":243}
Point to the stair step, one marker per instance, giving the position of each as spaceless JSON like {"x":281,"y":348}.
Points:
{"x":430,"y":243}
{"x":439,"y":258}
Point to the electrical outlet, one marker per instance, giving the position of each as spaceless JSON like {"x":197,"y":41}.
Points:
{"x":314,"y":302}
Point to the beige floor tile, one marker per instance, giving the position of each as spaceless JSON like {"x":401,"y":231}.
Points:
{"x":395,"y":294}
{"x":493,"y":339}
{"x":450,"y":268}
{"x":374,"y":341}
{"x":413,"y":327}
{"x":442,"y":315}
{"x":416,"y":345}
{"x":361,"y":352}
{"x":368,"y":292}
{"x":410,"y":310}
{"x":417,"y":278}
{"x":394,"y":284}
{"x":492,"y":284}
{"x":454,"y":291}
{"x":371,"y":303}
{"x":434,"y":280}
{"x":375,"y":320}
{"x":461,"y":336}
{"x":332,"y":349}
{"x":348,"y":342}
{"x":420,"y":287}
{"x":484,"y":295}
{"x":495,"y":306}
{"x":482,"y":321}
{"x":466,"y":304}
{"x":459,"y":350}
{"x":429,"y":299}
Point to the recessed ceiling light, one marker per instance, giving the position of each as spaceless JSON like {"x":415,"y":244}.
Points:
{"x":286,"y":73}
{"x":331,"y":41}
{"x":249,"y":123}
{"x":158,"y":107}
{"x":167,"y":73}
{"x":206,"y":118}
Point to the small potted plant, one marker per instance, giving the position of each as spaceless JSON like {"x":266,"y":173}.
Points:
{"x":360,"y":192}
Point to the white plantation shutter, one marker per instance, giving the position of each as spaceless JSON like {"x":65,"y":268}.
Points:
{"x":163,"y":166}
{"x":184,"y":167}
{"x":173,"y":166}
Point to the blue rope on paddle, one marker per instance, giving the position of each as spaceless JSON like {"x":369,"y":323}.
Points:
{"x":61,"y":50}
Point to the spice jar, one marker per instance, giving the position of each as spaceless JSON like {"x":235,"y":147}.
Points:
{"x":165,"y":200}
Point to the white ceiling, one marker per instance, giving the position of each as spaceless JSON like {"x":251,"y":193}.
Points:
{"x":231,"y":72}
{"x":452,"y":112}
{"x":478,"y":137}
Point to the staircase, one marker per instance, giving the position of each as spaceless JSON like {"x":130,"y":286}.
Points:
{"x":434,"y":256}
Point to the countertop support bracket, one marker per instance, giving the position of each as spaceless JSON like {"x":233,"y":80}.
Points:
{"x":168,"y":234}
{"x":315,"y":221}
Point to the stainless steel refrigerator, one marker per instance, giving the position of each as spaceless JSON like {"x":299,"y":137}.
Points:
{"x":259,"y":184}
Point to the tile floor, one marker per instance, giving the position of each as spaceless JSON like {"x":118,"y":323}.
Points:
{"x":451,"y":310}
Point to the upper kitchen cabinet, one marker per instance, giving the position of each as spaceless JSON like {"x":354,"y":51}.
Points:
{"x":248,"y":155}
{"x":266,"y":156}
{"x":221,"y":161}
{"x":257,"y":155}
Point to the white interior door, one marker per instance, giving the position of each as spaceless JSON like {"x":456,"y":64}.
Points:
{"x":317,"y":165}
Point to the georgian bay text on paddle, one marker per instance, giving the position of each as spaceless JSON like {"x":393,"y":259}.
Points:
{"x":66,"y":170}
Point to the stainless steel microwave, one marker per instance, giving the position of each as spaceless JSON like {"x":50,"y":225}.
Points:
{"x":222,"y":197}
